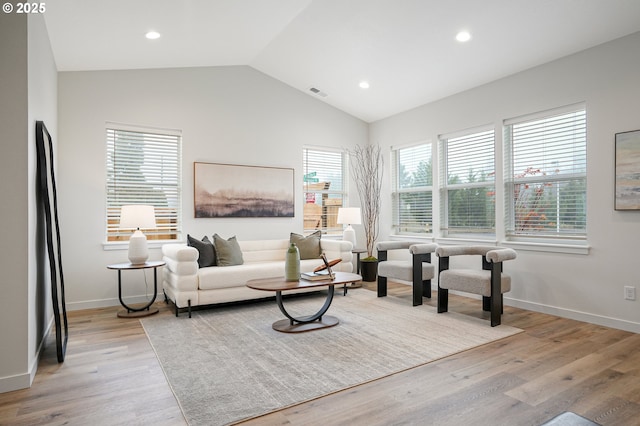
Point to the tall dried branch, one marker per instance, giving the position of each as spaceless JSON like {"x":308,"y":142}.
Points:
{"x":367,"y":166}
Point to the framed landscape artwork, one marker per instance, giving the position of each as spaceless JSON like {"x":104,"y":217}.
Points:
{"x":228,"y":190}
{"x":628,"y":170}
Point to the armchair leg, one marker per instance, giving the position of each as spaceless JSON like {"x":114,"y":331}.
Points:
{"x":382,"y":286}
{"x":495,"y":314}
{"x":417,"y":293}
{"x":486,"y":303}
{"x":496,"y":294}
{"x":426,"y":288}
{"x":443,"y":300}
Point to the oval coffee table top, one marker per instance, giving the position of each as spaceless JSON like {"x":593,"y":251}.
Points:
{"x":280,"y":284}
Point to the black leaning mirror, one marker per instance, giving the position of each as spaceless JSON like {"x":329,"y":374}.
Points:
{"x":48,"y":197}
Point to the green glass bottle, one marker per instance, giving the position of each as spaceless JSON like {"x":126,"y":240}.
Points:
{"x":292,"y":264}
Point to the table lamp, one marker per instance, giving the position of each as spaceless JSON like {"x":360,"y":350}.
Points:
{"x":349,"y":216}
{"x":137,"y":216}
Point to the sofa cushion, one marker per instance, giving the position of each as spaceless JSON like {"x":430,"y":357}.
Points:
{"x":205,"y":249}
{"x":309,"y":246}
{"x":228,"y":251}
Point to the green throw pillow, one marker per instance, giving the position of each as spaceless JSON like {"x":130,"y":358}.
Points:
{"x":228,"y":252}
{"x":205,"y":248}
{"x":309,"y":246}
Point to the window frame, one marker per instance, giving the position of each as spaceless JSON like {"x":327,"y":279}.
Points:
{"x":538,"y":176}
{"x":398,"y":224}
{"x":329,"y":213}
{"x":168,"y":216}
{"x":444,"y":186}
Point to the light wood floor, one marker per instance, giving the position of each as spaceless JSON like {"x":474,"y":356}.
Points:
{"x":111,"y":377}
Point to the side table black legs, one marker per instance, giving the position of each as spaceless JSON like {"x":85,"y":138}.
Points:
{"x":148,"y":309}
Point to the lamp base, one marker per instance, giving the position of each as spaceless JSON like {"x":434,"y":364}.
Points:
{"x":138,"y":250}
{"x":349,"y":234}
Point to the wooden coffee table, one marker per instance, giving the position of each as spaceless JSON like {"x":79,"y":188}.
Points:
{"x":312,"y":322}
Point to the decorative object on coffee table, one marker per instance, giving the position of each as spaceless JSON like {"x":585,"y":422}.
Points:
{"x":292,"y":264}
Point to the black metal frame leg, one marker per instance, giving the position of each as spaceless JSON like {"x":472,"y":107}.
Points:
{"x":311,"y":318}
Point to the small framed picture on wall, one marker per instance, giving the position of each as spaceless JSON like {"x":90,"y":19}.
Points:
{"x":627,"y":170}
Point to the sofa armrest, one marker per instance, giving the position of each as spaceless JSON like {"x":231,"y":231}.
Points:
{"x":181,"y":259}
{"x":336,"y":245}
{"x":338,"y":249}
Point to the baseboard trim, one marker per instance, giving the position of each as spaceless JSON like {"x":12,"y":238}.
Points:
{"x":17,"y":382}
{"x":617,"y":323}
{"x":24,"y":380}
{"x":106,"y":303}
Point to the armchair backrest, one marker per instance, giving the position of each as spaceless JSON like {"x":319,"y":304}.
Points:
{"x":490,"y":253}
{"x":414,"y":248}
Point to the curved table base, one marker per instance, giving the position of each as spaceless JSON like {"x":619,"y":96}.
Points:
{"x":285,"y":325}
{"x":308,"y":323}
{"x":137,"y":314}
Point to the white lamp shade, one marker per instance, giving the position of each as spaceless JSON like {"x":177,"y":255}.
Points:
{"x":138,"y":216}
{"x":349,"y":215}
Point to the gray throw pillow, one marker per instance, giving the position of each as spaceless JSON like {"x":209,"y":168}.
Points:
{"x":228,"y":252}
{"x":205,"y":247}
{"x":309,"y":246}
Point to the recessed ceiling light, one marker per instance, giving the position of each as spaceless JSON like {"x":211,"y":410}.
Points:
{"x":152,"y":35}
{"x":463,"y":36}
{"x":364,"y":85}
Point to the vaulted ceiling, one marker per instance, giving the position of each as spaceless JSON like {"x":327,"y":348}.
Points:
{"x":405,"y":49}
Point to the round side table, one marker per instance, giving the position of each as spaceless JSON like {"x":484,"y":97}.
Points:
{"x":133,"y":312}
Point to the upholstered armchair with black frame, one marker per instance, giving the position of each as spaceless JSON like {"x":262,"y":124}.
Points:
{"x":418,"y":271}
{"x":490,"y":282}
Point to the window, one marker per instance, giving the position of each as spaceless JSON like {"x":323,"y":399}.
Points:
{"x":412,"y":192}
{"x":467,"y":184}
{"x":324,"y":191}
{"x":144,"y":167}
{"x":545,"y":174}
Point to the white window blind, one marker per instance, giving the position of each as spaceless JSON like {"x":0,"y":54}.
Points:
{"x":144,"y":167}
{"x":412,"y":196}
{"x":324,"y":190}
{"x":468,"y":183}
{"x":546,"y":175}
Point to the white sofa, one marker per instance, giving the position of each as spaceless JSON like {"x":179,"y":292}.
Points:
{"x":187,"y":285}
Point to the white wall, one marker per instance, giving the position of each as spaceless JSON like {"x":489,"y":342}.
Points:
{"x":28,"y":85}
{"x":43,"y":97}
{"x":14,"y":208}
{"x":587,"y":287}
{"x":233,"y":115}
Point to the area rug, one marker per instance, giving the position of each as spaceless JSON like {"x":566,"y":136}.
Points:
{"x":227,"y":364}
